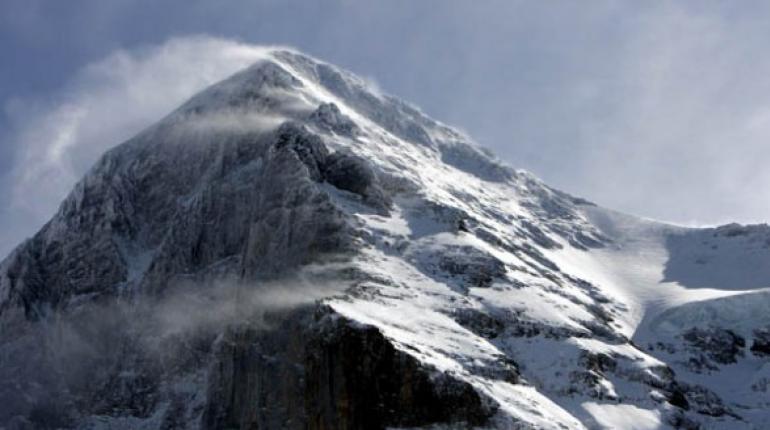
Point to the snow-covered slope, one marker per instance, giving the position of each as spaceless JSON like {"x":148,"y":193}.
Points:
{"x":292,"y":248}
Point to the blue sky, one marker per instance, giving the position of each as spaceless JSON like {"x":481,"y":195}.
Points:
{"x":661,"y":109}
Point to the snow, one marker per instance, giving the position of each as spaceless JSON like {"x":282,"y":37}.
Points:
{"x":628,"y":417}
{"x":634,"y":267}
{"x":576,"y":319}
{"x":675,"y":278}
{"x":645,"y":273}
{"x":647,"y":281}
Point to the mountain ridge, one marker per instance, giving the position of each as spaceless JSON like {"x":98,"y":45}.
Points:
{"x":290,"y":201}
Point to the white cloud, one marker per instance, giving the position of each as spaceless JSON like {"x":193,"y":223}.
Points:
{"x":676,"y":127}
{"x":109,"y":101}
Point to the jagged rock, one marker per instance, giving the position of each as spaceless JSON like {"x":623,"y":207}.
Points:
{"x":309,"y":148}
{"x":720,"y":345}
{"x":678,"y":398}
{"x":598,"y":362}
{"x":348,"y":172}
{"x":477,"y":268}
{"x":479,"y":322}
{"x":377,"y":386}
{"x":678,"y":420}
{"x":705,"y":401}
{"x":319,"y":371}
{"x":539,"y":236}
{"x":761,"y":344}
{"x":354,"y":174}
{"x":329,"y":118}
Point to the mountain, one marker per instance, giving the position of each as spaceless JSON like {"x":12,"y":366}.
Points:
{"x":291,"y":248}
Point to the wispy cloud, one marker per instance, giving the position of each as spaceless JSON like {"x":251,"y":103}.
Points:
{"x":109,"y":101}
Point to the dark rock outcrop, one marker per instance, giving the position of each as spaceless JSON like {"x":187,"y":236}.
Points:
{"x":761,"y":344}
{"x":476,"y":267}
{"x":720,"y":345}
{"x":318,"y":370}
{"x":348,"y":172}
{"x":479,"y":322}
{"x":329,"y":118}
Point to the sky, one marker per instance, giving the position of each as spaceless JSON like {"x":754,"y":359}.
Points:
{"x":659,"y":109}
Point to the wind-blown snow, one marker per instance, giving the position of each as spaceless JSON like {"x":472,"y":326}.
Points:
{"x":636,"y":278}
{"x":562,"y":314}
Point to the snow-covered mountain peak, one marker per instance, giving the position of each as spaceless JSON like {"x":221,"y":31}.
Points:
{"x":292,"y":234}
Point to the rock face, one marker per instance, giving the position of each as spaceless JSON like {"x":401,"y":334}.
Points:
{"x":316,"y":370}
{"x":357,"y":379}
{"x":181,"y":205}
{"x":117,"y":231}
{"x":329,"y":118}
{"x":761,"y":344}
{"x":720,"y":345}
{"x":291,"y":249}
